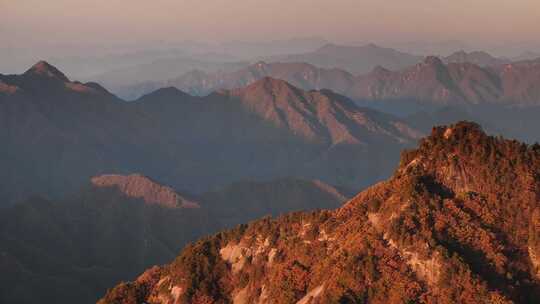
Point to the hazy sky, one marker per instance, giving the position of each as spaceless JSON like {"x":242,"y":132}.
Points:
{"x":32,"y":22}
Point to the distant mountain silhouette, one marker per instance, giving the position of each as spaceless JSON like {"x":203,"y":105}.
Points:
{"x":302,"y":75}
{"x":456,"y":83}
{"x":477,"y":57}
{"x":44,"y":69}
{"x":354,"y":59}
{"x":58,"y":133}
{"x":159,"y":70}
{"x":429,"y":82}
{"x":527,"y":56}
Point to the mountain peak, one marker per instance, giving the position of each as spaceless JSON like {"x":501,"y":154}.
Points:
{"x":265,"y":87}
{"x":481,"y":53}
{"x":380,"y":70}
{"x":461,"y":222}
{"x":270,"y":84}
{"x":458,"y":132}
{"x":328,"y":46}
{"x":461,"y":153}
{"x":44,"y":69}
{"x":476,"y":57}
{"x":142,"y":187}
{"x":320,"y":116}
{"x":372,"y":46}
{"x":433,"y":60}
{"x":165,"y":93}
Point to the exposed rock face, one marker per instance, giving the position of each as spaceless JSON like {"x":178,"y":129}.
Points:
{"x":534,"y":242}
{"x":455,"y":224}
{"x":138,"y":186}
{"x":311,"y":297}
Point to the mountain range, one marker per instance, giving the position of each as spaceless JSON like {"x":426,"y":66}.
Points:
{"x":354,"y":59}
{"x":363,"y":59}
{"x":476,"y":57}
{"x":463,"y":83}
{"x":160,"y":70}
{"x":59,"y":133}
{"x":528,"y":55}
{"x":458,"y":222}
{"x":200,"y":83}
{"x":120,"y":72}
{"x":466,"y":79}
{"x":71,"y":250}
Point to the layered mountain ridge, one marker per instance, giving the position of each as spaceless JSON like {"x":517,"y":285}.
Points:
{"x":318,"y":115}
{"x":459,"y":79}
{"x":456,"y":223}
{"x":71,"y":250}
{"x":355,"y":59}
{"x":60,"y":133}
{"x":476,"y":57}
{"x":141,"y":187}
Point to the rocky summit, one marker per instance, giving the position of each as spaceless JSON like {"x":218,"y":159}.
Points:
{"x":456,"y":223}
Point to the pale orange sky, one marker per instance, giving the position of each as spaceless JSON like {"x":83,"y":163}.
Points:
{"x":29,"y":22}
